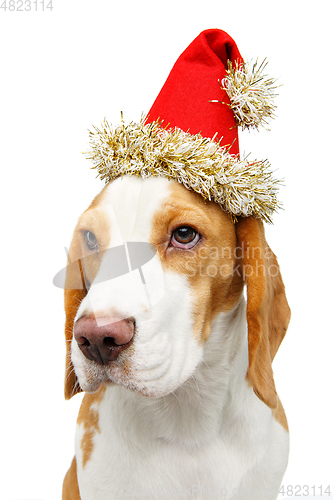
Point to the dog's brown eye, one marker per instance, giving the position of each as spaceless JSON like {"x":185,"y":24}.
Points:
{"x":91,"y":240}
{"x":184,"y":234}
{"x":184,"y":237}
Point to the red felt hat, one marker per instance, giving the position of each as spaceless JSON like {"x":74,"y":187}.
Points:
{"x":194,"y":81}
{"x":209,"y":93}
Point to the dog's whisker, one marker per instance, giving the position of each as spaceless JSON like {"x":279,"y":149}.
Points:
{"x":209,"y":369}
{"x":175,"y":395}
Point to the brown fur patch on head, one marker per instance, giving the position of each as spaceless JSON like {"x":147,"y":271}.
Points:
{"x":210,"y":266}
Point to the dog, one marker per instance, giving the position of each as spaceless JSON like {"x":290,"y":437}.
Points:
{"x":180,"y":398}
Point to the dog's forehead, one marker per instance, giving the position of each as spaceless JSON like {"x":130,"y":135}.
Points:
{"x":131,"y":208}
{"x":130,"y":203}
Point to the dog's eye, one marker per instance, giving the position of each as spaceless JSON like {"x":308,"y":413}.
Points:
{"x":184,"y":237}
{"x":91,"y":240}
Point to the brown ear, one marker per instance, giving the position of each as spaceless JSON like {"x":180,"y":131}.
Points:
{"x":268,"y":313}
{"x":75,"y":291}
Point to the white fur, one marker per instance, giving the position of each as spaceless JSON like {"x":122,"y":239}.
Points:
{"x":202,"y":433}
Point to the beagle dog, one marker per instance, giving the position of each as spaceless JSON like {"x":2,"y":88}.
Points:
{"x":176,"y":364}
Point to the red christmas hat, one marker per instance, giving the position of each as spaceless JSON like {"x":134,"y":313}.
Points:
{"x":190,"y":133}
{"x":185,"y":100}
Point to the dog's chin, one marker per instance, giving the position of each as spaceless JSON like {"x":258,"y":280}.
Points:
{"x":90,"y":383}
{"x":91,"y":380}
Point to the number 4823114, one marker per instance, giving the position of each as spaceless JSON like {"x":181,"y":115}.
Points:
{"x":304,"y":490}
{"x":26,"y":5}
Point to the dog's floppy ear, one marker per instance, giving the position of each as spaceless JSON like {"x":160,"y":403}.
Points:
{"x":75,"y":291}
{"x":268,"y":313}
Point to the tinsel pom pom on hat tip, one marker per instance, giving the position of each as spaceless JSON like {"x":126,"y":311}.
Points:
{"x":251,"y":93}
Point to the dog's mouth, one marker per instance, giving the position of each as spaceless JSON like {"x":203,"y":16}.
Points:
{"x":104,"y":368}
{"x":119,"y":373}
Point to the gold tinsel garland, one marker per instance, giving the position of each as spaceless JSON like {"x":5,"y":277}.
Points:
{"x":239,"y":186}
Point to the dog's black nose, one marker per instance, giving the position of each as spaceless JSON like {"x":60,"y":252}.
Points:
{"x":103,"y":339}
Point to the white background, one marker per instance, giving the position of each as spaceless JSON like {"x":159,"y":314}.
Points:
{"x":62,"y":72}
